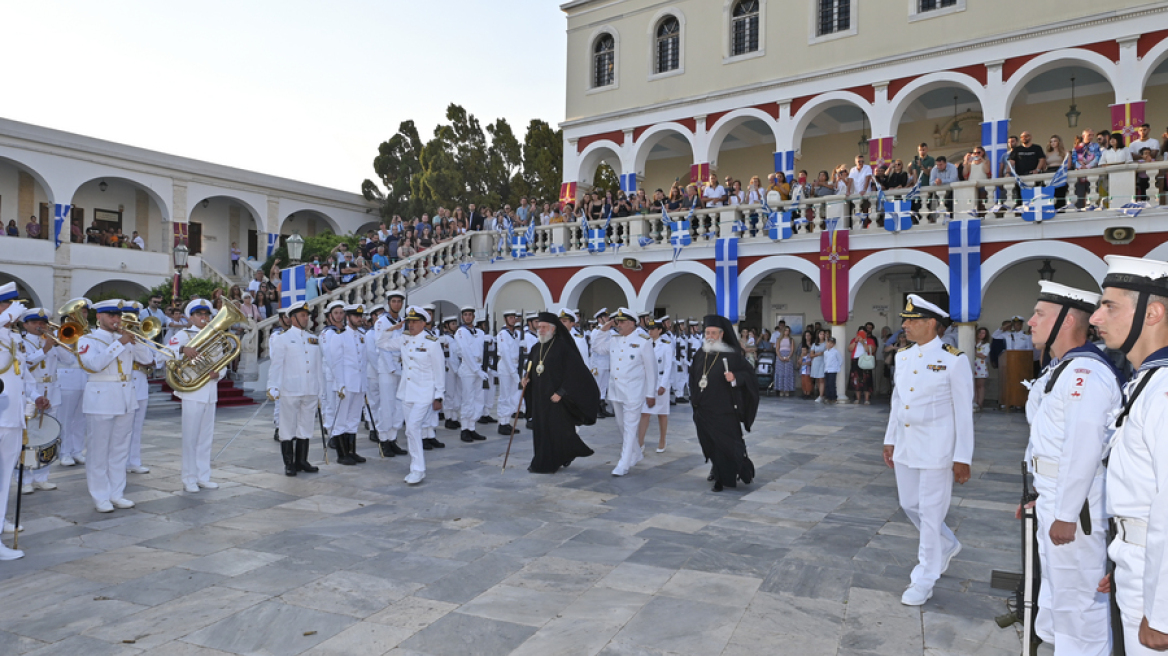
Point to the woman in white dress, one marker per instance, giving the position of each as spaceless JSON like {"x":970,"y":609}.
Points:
{"x":663,"y":349}
{"x":981,"y":367}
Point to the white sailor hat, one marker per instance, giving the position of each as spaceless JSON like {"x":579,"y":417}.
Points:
{"x":298,"y":305}
{"x":694,"y":322}
{"x":415,"y":313}
{"x":646,"y":313}
{"x":466,"y":308}
{"x":623,"y":314}
{"x":380,"y":307}
{"x":335,"y":304}
{"x":356,"y":308}
{"x":429,"y":307}
{"x":8,"y":292}
{"x":1136,"y":274}
{"x":396,"y":293}
{"x":602,"y":312}
{"x":1017,"y":317}
{"x":35,"y":314}
{"x":918,"y":308}
{"x":1053,"y":292}
{"x":510,"y":313}
{"x":663,"y":319}
{"x":450,"y":317}
{"x":196,"y":305}
{"x":111,"y":306}
{"x":282,"y":312}
{"x":531,"y":316}
{"x":565,"y":313}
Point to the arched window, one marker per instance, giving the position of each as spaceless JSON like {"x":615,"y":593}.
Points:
{"x":668,"y":45}
{"x":604,"y":61}
{"x":744,"y":28}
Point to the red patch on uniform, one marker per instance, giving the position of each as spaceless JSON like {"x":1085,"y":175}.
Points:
{"x":84,"y":350}
{"x":1082,"y":371}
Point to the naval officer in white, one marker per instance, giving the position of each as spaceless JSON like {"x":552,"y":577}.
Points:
{"x":632,"y":383}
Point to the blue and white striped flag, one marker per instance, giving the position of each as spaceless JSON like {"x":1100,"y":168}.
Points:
{"x":780,"y":225}
{"x":726,"y":277}
{"x":644,"y":241}
{"x":519,"y":246}
{"x":60,"y":220}
{"x":465,"y":268}
{"x":595,"y":238}
{"x":273,"y":241}
{"x":915,"y":192}
{"x":1038,"y":204}
{"x":557,"y":249}
{"x":1017,"y":180}
{"x":1133,"y":209}
{"x":293,"y":286}
{"x":965,"y":269}
{"x":897,"y":215}
{"x":1060,"y":176}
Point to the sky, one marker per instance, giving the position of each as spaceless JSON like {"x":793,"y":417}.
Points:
{"x":296,"y":88}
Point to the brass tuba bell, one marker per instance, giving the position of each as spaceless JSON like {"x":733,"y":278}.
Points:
{"x":217,"y":347}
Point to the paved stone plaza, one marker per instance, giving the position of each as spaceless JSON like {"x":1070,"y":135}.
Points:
{"x":810,"y":559}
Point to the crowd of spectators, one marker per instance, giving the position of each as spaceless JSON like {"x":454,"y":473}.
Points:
{"x":94,"y":234}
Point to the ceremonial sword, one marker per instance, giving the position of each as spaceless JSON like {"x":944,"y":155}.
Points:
{"x":253,"y":416}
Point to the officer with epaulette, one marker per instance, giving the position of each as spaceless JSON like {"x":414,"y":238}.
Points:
{"x":509,"y":342}
{"x":372,"y":412}
{"x":198,"y":406}
{"x":600,"y":361}
{"x":1068,"y":408}
{"x":294,"y":381}
{"x":632,"y":384}
{"x":1133,"y":318}
{"x":334,"y":316}
{"x":929,"y":439}
{"x":17,"y":383}
{"x":277,"y":330}
{"x":423,"y":382}
{"x":343,"y":353}
{"x":41,"y":358}
{"x":472,"y":374}
{"x":388,"y":364}
{"x":109,"y":404}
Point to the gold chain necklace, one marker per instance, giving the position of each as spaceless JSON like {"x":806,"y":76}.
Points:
{"x":705,"y":381}
{"x":542,"y":354}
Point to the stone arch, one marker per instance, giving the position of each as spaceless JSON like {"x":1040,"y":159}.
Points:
{"x":145,"y":184}
{"x":1158,"y":253}
{"x":751,"y":275}
{"x":1039,"y":249}
{"x":125,"y":288}
{"x":26,"y":290}
{"x":251,"y":202}
{"x":862,"y":270}
{"x":286,"y":212}
{"x":926,"y":83}
{"x":649,"y":138}
{"x":657,"y":280}
{"x":725,"y":125}
{"x":519,"y":274}
{"x":18,"y":162}
{"x":594,"y":154}
{"x":570,"y":296}
{"x":1050,"y":61}
{"x":1148,"y":64}
{"x":802,"y":119}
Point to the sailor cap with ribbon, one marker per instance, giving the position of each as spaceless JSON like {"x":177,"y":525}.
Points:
{"x":1143,"y":276}
{"x":646,"y":313}
{"x":335,"y":304}
{"x":450,"y":317}
{"x":510,"y":313}
{"x":918,"y":308}
{"x":1053,"y":292}
{"x":467,"y":308}
{"x":623,"y":314}
{"x":132,"y":305}
{"x":415,"y":313}
{"x":602,"y":312}
{"x":395,"y":293}
{"x":356,"y":308}
{"x":565,"y":313}
{"x":114,"y":306}
{"x":662,"y":319}
{"x":531,"y":316}
{"x":380,"y":307}
{"x":8,"y":292}
{"x":196,"y":305}
{"x":301,"y":306}
{"x":35,"y":314}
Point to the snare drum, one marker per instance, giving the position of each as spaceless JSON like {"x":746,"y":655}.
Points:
{"x":42,"y":443}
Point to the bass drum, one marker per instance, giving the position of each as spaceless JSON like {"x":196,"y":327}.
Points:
{"x":43,"y":443}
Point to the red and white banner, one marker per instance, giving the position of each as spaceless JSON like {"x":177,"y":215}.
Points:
{"x":834,"y":262}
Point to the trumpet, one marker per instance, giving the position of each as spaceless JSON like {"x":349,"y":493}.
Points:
{"x":144,"y":331}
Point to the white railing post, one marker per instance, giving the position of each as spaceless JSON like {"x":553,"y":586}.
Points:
{"x":1121,"y":184}
{"x":964,"y":198}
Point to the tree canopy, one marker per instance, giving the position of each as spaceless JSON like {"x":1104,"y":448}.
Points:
{"x":465,"y":162}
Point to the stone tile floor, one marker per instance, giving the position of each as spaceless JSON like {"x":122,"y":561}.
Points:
{"x":810,"y":559}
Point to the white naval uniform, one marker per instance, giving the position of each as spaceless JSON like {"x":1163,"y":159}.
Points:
{"x":581,"y":343}
{"x":663,"y":352}
{"x":42,"y":371}
{"x":144,"y":362}
{"x":328,"y":394}
{"x":388,"y":378}
{"x":471,"y":376}
{"x":295,"y":378}
{"x":633,"y":378}
{"x":1068,"y":432}
{"x":423,"y":382}
{"x":600,"y":363}
{"x":1137,"y":497}
{"x":14,"y":404}
{"x":453,"y":359}
{"x":198,"y":417}
{"x":71,"y":380}
{"x":680,"y":372}
{"x":931,"y":427}
{"x":343,"y":354}
{"x":508,"y":343}
{"x":109,"y":404}
{"x":1015,"y":341}
{"x":372,"y":384}
{"x":276,"y":403}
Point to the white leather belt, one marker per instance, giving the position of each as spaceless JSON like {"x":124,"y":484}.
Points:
{"x":108,"y":378}
{"x":1132,"y":531}
{"x":1045,"y":468}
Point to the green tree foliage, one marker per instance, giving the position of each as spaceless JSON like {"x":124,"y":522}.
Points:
{"x":191,"y":287}
{"x":465,"y":163}
{"x":321,"y":246}
{"x":605,"y":180}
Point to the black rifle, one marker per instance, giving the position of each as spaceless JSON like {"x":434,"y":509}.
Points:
{"x":522,"y":339}
{"x":486,"y":359}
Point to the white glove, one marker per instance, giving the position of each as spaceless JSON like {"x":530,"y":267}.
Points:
{"x":273,"y":393}
{"x":12,"y":313}
{"x":483,"y":374}
{"x":490,"y":339}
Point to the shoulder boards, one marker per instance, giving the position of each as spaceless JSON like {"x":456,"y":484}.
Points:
{"x":665,"y":340}
{"x":952,"y":350}
{"x":904,"y":348}
{"x":431,"y":338}
{"x":642,"y":335}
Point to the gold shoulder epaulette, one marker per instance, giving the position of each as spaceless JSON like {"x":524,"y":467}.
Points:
{"x":431,"y":338}
{"x":904,"y":348}
{"x":643,"y":335}
{"x":952,"y":350}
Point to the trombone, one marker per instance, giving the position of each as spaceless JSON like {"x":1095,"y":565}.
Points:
{"x":144,"y":332}
{"x":66,"y":335}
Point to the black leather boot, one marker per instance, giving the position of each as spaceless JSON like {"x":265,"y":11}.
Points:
{"x":373,"y":436}
{"x":352,"y":441}
{"x":289,"y":458}
{"x":276,"y":435}
{"x":437,"y":445}
{"x":466,"y":436}
{"x":396,"y":449}
{"x":386,"y":451}
{"x":452,"y":425}
{"x":339,"y":442}
{"x":302,"y":456}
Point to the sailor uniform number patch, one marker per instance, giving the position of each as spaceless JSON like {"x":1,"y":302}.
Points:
{"x":1080,"y":384}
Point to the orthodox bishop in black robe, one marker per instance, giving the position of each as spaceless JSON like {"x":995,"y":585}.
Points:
{"x":560,"y":395}
{"x":723,"y":408}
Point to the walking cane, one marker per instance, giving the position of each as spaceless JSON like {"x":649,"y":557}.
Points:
{"x":253,"y":416}
{"x":515,"y":421}
{"x":323,"y":437}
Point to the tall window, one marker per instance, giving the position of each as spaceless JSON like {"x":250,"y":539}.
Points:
{"x":930,"y":5}
{"x":835,"y":16}
{"x":744,"y":28}
{"x":668,"y":45}
{"x":604,"y":61}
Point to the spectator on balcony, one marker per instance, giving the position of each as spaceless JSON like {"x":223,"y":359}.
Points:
{"x":641,"y":202}
{"x":1085,"y":155}
{"x":736,"y":195}
{"x":1055,"y":154}
{"x":1115,"y":152}
{"x":943,"y":174}
{"x":714,"y":194}
{"x":840,"y":181}
{"x":523,"y":212}
{"x":754,"y":192}
{"x":406,"y":249}
{"x":33,"y":228}
{"x":881,"y":177}
{"x":111,"y":237}
{"x":822,"y":185}
{"x":1011,"y":144}
{"x":92,"y":233}
{"x":425,"y":239}
{"x":897,"y":176}
{"x":77,"y":236}
{"x":235,"y":253}
{"x":1144,"y":140}
{"x":1143,"y":181}
{"x":778,"y":183}
{"x":977,"y":170}
{"x":922,"y":164}
{"x":676,"y":198}
{"x":1026,"y":158}
{"x":622,"y":208}
{"x":860,"y":176}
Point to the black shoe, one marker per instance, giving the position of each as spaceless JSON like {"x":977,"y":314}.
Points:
{"x":426,"y":446}
{"x":505,"y":429}
{"x":530,"y":425}
{"x":386,"y":452}
{"x":395,"y":448}
{"x":452,"y":425}
{"x":302,"y":456}
{"x":332,"y":443}
{"x":717,"y":486}
{"x":478,"y":436}
{"x":682,"y":399}
{"x":276,"y":435}
{"x":289,"y":458}
{"x":487,"y":419}
{"x":711,"y":476}
{"x":441,"y":416}
{"x":342,"y":452}
{"x":436,"y":443}
{"x":466,"y":436}
{"x":673,"y":403}
{"x":352,"y":441}
{"x":373,"y":436}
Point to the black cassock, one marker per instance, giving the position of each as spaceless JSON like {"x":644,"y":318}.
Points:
{"x":721,"y":410}
{"x":554,"y":435}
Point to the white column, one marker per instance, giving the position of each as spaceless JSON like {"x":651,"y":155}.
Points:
{"x":966,"y":336}
{"x":840,"y":333}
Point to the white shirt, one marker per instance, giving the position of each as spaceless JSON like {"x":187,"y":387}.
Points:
{"x":14,"y":398}
{"x":110,"y":363}
{"x":714,"y":192}
{"x":388,"y":360}
{"x":1136,"y":146}
{"x":1015,"y":341}
{"x":295,"y":368}
{"x":470,"y":342}
{"x":139,"y":242}
{"x":508,"y":344}
{"x":208,"y":393}
{"x":633,"y":367}
{"x":344,"y":355}
{"x":931,"y":423}
{"x":1116,"y":156}
{"x":423,"y":367}
{"x":860,"y":178}
{"x":254,"y":286}
{"x":600,"y":360}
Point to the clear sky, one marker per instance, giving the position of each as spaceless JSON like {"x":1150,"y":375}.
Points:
{"x":297,"y":88}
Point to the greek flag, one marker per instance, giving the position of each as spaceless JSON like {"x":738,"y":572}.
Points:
{"x":644,"y":241}
{"x":556,"y":249}
{"x":897,"y":215}
{"x":519,"y":246}
{"x":965,"y":269}
{"x":273,"y":241}
{"x":779,"y":225}
{"x":465,"y":268}
{"x":60,"y":219}
{"x":726,"y":277}
{"x":293,"y":286}
{"x":1060,"y":176}
{"x":1133,"y":209}
{"x":679,"y":235}
{"x":1039,"y":205}
{"x":596,"y":238}
{"x":915,"y":192}
{"x":1017,"y":180}
{"x":435,"y":270}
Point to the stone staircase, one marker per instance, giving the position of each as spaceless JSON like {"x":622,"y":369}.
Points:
{"x":229,"y":394}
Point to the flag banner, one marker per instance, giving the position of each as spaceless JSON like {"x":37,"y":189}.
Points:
{"x":597,"y":240}
{"x":699,"y":173}
{"x":465,"y":268}
{"x":1133,"y":209}
{"x":293,"y":286}
{"x":568,"y":193}
{"x":180,"y":233}
{"x":898,"y":215}
{"x":780,"y":225}
{"x":273,"y":241}
{"x":833,"y":275}
{"x":679,"y":235}
{"x":644,"y":241}
{"x":726,"y":277}
{"x":60,"y":220}
{"x":1126,"y":118}
{"x":435,"y":270}
{"x":1038,"y":204}
{"x":519,"y":246}
{"x":879,"y":151}
{"x":965,"y":269}
{"x":1060,"y":176}
{"x":557,"y":249}
{"x":994,"y":135}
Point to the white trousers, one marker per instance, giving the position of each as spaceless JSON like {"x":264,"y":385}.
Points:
{"x":328,"y":406}
{"x":470,"y":390}
{"x":198,"y":426}
{"x":72,"y":423}
{"x":348,"y":413}
{"x":602,"y":381}
{"x":680,"y":378}
{"x":107,"y":440}
{"x":276,"y":413}
{"x":416,"y":414}
{"x":10,"y":441}
{"x":628,"y":417}
{"x":924,"y":495}
{"x":297,"y":417}
{"x":509,"y":396}
{"x":391,"y":409}
{"x":1129,"y":577}
{"x":1071,"y":614}
{"x":452,"y":404}
{"x":135,"y":459}
{"x":373,"y":399}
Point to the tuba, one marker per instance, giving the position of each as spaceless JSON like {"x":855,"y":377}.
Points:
{"x":217,"y":347}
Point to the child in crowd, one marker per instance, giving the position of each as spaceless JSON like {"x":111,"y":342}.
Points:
{"x":833,"y":363}
{"x":805,"y":371}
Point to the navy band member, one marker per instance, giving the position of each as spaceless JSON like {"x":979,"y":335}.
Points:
{"x":16,"y":382}
{"x":72,"y":379}
{"x":42,"y":356}
{"x":145,"y":361}
{"x":198,"y":406}
{"x":929,"y":440}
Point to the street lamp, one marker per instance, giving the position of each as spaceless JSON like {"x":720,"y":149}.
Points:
{"x":295,"y":245}
{"x":180,"y":262}
{"x":806,"y":284}
{"x":1073,"y":115}
{"x":102,"y":185}
{"x":1047,"y":271}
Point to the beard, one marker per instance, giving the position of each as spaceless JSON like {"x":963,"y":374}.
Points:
{"x":715,"y":346}
{"x":544,"y":338}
